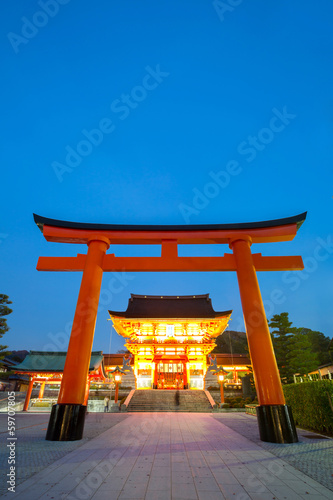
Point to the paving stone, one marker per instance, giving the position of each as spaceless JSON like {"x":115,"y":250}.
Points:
{"x":232,"y":491}
{"x":262,"y":496}
{"x":314,"y":497}
{"x":183,"y":491}
{"x":160,"y":472}
{"x":283,"y":492}
{"x":210,"y":495}
{"x":202,"y":472}
{"x":159,"y":483}
{"x":133,"y":491}
{"x":206,"y":484}
{"x":109,"y":494}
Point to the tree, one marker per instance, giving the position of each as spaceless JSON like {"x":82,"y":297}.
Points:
{"x":4,"y":311}
{"x":281,"y":335}
{"x":301,"y":358}
{"x":319,"y":343}
{"x":297,"y":350}
{"x":231,"y":342}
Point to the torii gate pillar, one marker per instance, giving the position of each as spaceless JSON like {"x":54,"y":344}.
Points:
{"x":67,"y":417}
{"x":272,"y":412}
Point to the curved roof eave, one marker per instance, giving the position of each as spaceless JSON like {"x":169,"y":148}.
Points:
{"x":296,"y":219}
{"x":217,"y":314}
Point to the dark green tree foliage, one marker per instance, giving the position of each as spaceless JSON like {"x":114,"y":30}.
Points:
{"x":231,"y":342}
{"x":282,"y":332}
{"x":301,"y":358}
{"x":297,"y":350}
{"x":319,"y":343}
{"x":4,"y":311}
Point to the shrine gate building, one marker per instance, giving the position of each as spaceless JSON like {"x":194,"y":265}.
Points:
{"x":170,"y":338}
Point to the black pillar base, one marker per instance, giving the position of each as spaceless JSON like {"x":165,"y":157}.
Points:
{"x":66,"y":422}
{"x":276,"y":424}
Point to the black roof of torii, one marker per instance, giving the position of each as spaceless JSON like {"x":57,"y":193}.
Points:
{"x":296,"y":219}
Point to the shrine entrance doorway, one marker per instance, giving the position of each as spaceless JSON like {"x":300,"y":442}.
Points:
{"x":170,"y":372}
{"x":170,"y":375}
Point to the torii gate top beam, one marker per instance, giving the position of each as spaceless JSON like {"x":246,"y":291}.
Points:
{"x":259,"y":232}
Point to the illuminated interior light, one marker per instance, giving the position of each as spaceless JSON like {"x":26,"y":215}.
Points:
{"x":170,"y":330}
{"x":179,"y":330}
{"x":192,"y":329}
{"x":161,"y":329}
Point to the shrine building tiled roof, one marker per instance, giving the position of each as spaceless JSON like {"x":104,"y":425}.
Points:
{"x":170,"y":306}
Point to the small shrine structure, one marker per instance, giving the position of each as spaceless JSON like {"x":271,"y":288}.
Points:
{"x":47,"y":368}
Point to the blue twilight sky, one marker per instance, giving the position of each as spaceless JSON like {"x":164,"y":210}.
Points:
{"x":167,"y":112}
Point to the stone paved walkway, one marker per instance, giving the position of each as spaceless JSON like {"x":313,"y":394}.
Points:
{"x":33,"y":453}
{"x":314,"y":457}
{"x":174,"y":456}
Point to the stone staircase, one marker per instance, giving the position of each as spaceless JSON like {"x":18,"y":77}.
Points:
{"x":169,"y":401}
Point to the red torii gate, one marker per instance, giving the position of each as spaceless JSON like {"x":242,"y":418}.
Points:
{"x":274,"y":416}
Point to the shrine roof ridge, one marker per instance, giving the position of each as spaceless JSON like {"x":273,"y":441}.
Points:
{"x":171,"y":297}
{"x":296,"y":219}
{"x":170,"y":306}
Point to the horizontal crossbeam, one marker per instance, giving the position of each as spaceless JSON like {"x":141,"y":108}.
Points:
{"x":61,"y":263}
{"x":188,"y":237}
{"x":111,"y":263}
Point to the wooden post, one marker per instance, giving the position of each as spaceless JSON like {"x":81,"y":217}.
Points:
{"x":28,"y":395}
{"x":41,"y":390}
{"x":155,"y":376}
{"x":67,"y":417}
{"x":185,"y":374}
{"x":87,"y":392}
{"x":276,"y":424}
{"x":74,"y":380}
{"x":222,"y":392}
{"x":116,"y":393}
{"x":266,"y":374}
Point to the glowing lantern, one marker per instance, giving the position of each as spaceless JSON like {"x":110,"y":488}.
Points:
{"x":220,"y":375}
{"x":118,"y":372}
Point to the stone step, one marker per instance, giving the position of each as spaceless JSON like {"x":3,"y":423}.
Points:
{"x":169,"y":400}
